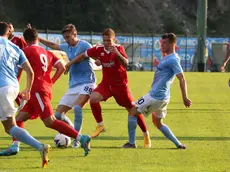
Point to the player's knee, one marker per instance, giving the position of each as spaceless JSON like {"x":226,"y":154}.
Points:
{"x":95,"y":97}
{"x":94,"y":100}
{"x":7,"y":130}
{"x":157,"y":122}
{"x":58,"y":116}
{"x":48,"y":122}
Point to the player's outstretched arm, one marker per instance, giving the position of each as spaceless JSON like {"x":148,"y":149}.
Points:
{"x":183,"y":87}
{"x":30,"y":78}
{"x":227,"y":57}
{"x":76,"y":59}
{"x":50,"y":44}
{"x":60,"y":69}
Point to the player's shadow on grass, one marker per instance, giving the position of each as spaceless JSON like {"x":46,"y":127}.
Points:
{"x":192,"y":138}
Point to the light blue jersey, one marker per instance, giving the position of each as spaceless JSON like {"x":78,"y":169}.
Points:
{"x":10,"y":58}
{"x":164,"y":76}
{"x":82,"y":72}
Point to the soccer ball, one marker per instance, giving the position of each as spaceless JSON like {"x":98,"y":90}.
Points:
{"x":62,"y":141}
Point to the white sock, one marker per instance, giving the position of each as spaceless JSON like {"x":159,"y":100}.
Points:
{"x":16,"y":143}
{"x":146,"y":133}
{"x":78,"y":137}
{"x":100,"y":123}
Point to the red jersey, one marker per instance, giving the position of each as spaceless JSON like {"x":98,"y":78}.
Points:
{"x":114,"y":73}
{"x":42,"y":62}
{"x":19,"y":42}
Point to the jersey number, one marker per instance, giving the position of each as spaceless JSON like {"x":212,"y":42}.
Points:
{"x":44,"y":61}
{"x":140,"y":101}
{"x":88,"y":89}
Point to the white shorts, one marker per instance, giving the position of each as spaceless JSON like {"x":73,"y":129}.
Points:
{"x":72,"y":94}
{"x":7,"y":96}
{"x":147,"y":104}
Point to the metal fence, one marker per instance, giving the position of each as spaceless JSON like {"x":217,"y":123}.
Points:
{"x":144,"y":49}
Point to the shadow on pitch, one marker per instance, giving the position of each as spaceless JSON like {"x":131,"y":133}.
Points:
{"x":192,"y":138}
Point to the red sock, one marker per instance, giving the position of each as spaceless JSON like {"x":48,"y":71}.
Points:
{"x":96,"y":110}
{"x":141,"y":123}
{"x":64,"y":128}
{"x":19,"y":124}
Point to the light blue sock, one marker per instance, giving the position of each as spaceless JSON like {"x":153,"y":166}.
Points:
{"x":169,"y":134}
{"x":23,"y":136}
{"x":64,"y":118}
{"x":132,"y":125}
{"x":77,"y":118}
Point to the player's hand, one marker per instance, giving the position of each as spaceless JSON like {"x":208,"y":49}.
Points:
{"x":222,"y":68}
{"x":67,"y":67}
{"x":187,"y":102}
{"x":29,"y":26}
{"x":113,"y":49}
{"x":98,"y":62}
{"x":25,"y":94}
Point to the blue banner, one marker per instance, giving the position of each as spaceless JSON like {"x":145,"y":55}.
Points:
{"x":146,"y":50}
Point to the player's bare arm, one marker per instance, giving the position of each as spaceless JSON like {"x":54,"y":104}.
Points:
{"x":50,"y":44}
{"x":30,"y":78}
{"x":183,"y":87}
{"x":76,"y":59}
{"x":227,"y":57}
{"x":60,"y":69}
{"x":122,"y":59}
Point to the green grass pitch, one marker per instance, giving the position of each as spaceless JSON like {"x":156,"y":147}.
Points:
{"x":204,"y":128}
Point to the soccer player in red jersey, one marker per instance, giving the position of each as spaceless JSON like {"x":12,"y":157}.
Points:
{"x":114,"y":61}
{"x":20,"y":42}
{"x":42,"y":62}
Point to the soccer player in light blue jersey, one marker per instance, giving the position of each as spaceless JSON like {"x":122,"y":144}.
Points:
{"x":10,"y":57}
{"x":81,"y":81}
{"x":155,"y":102}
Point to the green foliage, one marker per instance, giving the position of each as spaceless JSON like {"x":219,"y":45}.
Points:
{"x":122,"y":15}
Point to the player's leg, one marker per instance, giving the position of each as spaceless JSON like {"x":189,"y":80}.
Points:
{"x":141,"y":123}
{"x":62,"y":127}
{"x":19,"y":133}
{"x":78,"y":118}
{"x":7,"y":111}
{"x":123,"y":97}
{"x":44,"y":108}
{"x":132,"y":125}
{"x":15,"y":146}
{"x":84,"y":91}
{"x":101,"y":93}
{"x":66,"y":104}
{"x":23,"y":136}
{"x":25,"y":114}
{"x":61,"y":114}
{"x":157,"y":118}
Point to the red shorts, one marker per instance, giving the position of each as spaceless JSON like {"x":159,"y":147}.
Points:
{"x":39,"y":105}
{"x":121,"y":93}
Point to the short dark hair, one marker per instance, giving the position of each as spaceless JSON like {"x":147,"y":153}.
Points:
{"x":30,"y":34}
{"x":69,"y":28}
{"x":9,"y":23}
{"x":4,"y":28}
{"x":108,"y":32}
{"x":170,"y":36}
